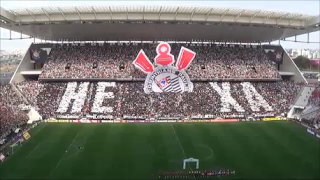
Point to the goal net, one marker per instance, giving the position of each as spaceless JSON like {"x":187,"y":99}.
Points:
{"x":190,"y":160}
{"x":15,"y":146}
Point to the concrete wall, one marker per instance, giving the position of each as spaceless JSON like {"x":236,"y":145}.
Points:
{"x":312,"y":80}
{"x":25,"y":64}
{"x":303,"y":96}
{"x":5,"y":77}
{"x":289,"y":66}
{"x":4,"y":81}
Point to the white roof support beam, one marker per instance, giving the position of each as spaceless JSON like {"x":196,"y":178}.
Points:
{"x":127,"y":12}
{"x":8,"y":15}
{"x":110,"y":13}
{"x":144,"y":11}
{"x":238,"y":16}
{"x":160,"y":13}
{"x":254,"y":15}
{"x":46,"y":13}
{"x":64,"y":17}
{"x":224,"y":14}
{"x":31,"y":15}
{"x":176,"y":13}
{"x":208,"y":14}
{"x":295,"y":18}
{"x":78,"y":13}
{"x":17,"y":15}
{"x":305,"y":20}
{"x":94,"y":12}
{"x":194,"y":10}
{"x":283,"y":16}
{"x":312,"y":21}
{"x":266,"y":19}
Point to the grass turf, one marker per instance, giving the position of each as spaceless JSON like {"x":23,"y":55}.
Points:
{"x":278,"y":150}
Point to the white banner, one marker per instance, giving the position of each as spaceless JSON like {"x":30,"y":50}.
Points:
{"x":3,"y":141}
{"x":2,"y":157}
{"x":17,"y":130}
{"x":311,"y":132}
{"x":107,"y":121}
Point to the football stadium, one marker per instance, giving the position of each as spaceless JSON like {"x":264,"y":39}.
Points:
{"x":159,"y":92}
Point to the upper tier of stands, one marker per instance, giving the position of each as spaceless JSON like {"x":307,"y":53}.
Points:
{"x":219,"y":62}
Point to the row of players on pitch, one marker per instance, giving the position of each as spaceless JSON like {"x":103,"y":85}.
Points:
{"x":198,"y":173}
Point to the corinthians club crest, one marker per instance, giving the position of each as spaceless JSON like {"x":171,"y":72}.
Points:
{"x":35,"y":54}
{"x":278,"y":56}
{"x":166,"y":77}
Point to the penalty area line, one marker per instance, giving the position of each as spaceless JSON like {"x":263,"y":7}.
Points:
{"x":184,"y":154}
{"x":63,"y":154}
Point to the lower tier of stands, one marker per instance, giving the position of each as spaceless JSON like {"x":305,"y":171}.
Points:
{"x":103,"y":100}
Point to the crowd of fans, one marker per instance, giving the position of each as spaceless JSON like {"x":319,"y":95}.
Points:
{"x":30,"y":90}
{"x":219,"y":62}
{"x":129,"y":99}
{"x":11,"y":115}
{"x":311,"y":75}
{"x":313,"y":116}
{"x":315,"y":98}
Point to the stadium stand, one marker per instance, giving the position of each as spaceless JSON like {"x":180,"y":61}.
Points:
{"x":311,"y":114}
{"x":11,"y":115}
{"x":128,"y":99}
{"x":219,"y":62}
{"x":63,"y":63}
{"x":310,"y":75}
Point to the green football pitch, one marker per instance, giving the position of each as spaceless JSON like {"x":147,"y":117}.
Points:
{"x":277,"y":150}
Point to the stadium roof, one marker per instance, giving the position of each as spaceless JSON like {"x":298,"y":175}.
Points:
{"x":157,"y":23}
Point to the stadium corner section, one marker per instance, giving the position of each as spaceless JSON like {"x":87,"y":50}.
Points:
{"x":16,"y":140}
{"x":311,"y":130}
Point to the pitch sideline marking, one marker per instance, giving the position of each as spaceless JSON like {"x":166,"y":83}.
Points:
{"x":33,"y":149}
{"x":185,"y":156}
{"x":64,"y":154}
{"x":35,"y":135}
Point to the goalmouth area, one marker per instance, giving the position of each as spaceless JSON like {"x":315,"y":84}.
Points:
{"x":259,"y":150}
